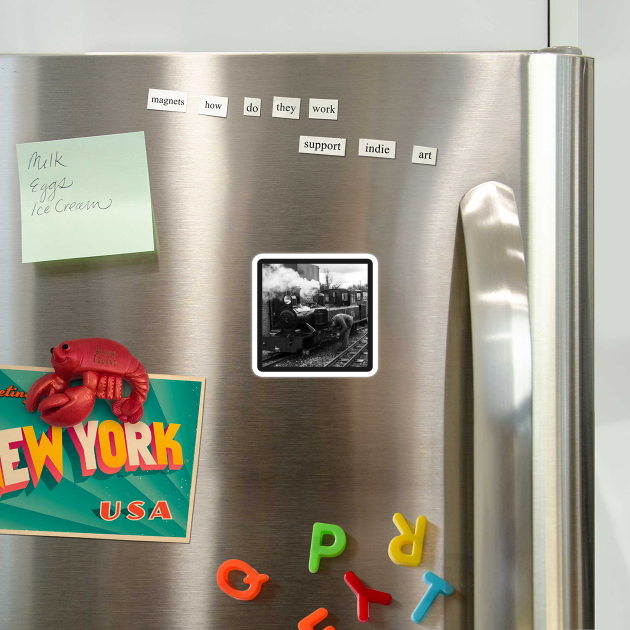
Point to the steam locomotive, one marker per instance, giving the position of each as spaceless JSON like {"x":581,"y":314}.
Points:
{"x":299,"y":327}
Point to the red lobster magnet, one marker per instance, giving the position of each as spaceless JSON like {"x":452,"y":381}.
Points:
{"x":103,"y":364}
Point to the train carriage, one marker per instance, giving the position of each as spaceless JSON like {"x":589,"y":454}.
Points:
{"x":342,"y":297}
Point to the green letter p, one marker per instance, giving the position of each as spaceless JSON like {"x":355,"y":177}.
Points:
{"x":319,"y":551}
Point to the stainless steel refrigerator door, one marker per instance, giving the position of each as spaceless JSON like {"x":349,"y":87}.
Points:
{"x":280,"y":454}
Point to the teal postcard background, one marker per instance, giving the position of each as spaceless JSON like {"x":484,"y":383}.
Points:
{"x":72,"y":505}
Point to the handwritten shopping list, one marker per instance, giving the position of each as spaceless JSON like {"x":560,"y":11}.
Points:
{"x":85,"y":197}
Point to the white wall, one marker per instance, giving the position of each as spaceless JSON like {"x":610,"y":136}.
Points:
{"x":604,"y":27}
{"x":262,"y":25}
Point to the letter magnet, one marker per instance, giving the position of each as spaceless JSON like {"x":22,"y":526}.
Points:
{"x":252,"y":577}
{"x":319,"y":551}
{"x":407,"y":537}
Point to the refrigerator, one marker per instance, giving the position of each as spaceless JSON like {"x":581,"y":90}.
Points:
{"x":474,"y":405}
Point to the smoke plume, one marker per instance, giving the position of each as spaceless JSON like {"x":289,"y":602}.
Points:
{"x":278,"y":280}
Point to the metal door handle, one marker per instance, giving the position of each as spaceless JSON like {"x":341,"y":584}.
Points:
{"x":502,"y":373}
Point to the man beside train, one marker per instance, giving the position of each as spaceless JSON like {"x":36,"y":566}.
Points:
{"x":344,"y":323}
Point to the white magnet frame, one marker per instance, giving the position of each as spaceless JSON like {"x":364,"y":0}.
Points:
{"x":373,"y":315}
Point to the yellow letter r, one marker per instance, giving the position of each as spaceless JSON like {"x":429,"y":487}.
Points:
{"x":407,"y":537}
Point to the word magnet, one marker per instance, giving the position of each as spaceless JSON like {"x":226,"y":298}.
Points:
{"x":322,"y":146}
{"x":436,"y":586}
{"x":407,"y":537}
{"x":323,"y":108}
{"x":309,"y":623}
{"x":167,"y":100}
{"x":252,"y":577}
{"x":319,"y":551}
{"x":213,"y":105}
{"x":424,"y":155}
{"x":377,"y":148}
{"x":365,"y":595}
{"x":251,"y":106}
{"x":285,"y":107}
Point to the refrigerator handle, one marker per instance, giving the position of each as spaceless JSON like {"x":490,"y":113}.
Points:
{"x":502,"y":374}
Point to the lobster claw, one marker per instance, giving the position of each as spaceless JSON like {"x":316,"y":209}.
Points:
{"x":43,"y":386}
{"x":68,"y":408}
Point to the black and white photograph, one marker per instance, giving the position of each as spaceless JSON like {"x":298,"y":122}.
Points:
{"x":314,"y":315}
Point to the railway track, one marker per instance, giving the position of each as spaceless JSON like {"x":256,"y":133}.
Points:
{"x":343,"y":359}
{"x":278,"y":358}
{"x":351,"y":355}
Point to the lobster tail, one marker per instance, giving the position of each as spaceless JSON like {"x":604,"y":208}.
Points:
{"x":130,"y":409}
{"x":139,"y":381}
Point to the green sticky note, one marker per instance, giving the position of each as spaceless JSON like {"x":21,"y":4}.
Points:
{"x":85,"y":197}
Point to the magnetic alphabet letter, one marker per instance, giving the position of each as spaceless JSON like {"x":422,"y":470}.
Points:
{"x":308,"y":623}
{"x":407,"y":537}
{"x":436,"y":586}
{"x":253,"y":578}
{"x":365,"y":596}
{"x":319,"y":551}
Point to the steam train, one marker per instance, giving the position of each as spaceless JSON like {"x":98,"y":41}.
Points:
{"x":297,"y":327}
